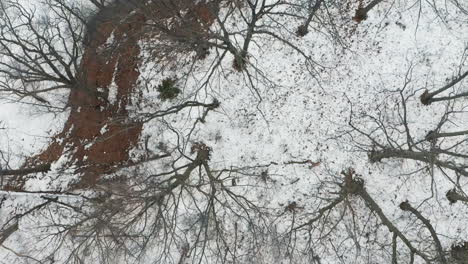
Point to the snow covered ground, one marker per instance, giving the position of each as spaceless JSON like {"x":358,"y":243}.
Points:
{"x":291,"y":110}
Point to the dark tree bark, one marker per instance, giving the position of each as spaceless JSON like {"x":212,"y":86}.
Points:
{"x":303,"y":29}
{"x":361,"y":12}
{"x":25,"y":171}
{"x":428,"y":98}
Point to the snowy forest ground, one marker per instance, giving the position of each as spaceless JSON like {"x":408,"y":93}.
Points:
{"x":271,"y":163}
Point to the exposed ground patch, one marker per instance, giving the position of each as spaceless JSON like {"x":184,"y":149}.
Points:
{"x":98,"y":134}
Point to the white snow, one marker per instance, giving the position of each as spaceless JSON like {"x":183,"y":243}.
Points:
{"x":293,"y":114}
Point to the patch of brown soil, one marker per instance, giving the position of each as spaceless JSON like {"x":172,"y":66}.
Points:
{"x":98,"y":133}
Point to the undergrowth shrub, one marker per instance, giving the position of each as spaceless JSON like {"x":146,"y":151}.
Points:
{"x":168,"y":89}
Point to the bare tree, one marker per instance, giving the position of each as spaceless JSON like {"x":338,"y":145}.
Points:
{"x":428,"y":98}
{"x":185,"y":204}
{"x":40,"y":53}
{"x":361,"y":12}
{"x":332,"y":224}
{"x":442,"y":149}
{"x":313,"y":8}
